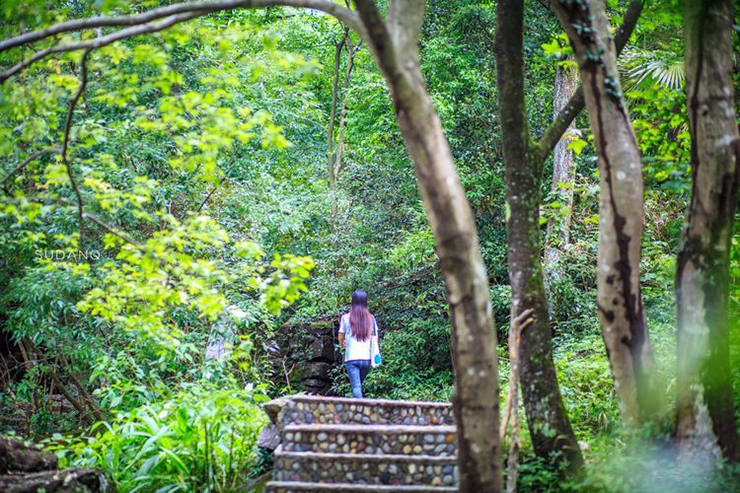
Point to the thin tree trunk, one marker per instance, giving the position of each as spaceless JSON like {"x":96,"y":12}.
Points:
{"x":706,"y":418}
{"x":563,"y":174}
{"x":395,"y":46}
{"x":332,"y":114}
{"x":519,"y":323}
{"x":351,"y":51}
{"x":84,"y":393}
{"x":336,"y":166}
{"x":549,"y":427}
{"x":621,"y":210}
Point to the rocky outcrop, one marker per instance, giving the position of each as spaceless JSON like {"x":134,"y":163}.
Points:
{"x":306,"y":355}
{"x":60,"y":481}
{"x":26,"y":469}
{"x":16,"y":456}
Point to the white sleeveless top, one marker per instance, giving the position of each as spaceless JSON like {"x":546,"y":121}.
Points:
{"x":355,"y":350}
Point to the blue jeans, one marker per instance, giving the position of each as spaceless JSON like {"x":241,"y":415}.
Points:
{"x":358,"y":370}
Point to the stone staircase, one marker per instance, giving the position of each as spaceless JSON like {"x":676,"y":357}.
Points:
{"x":338,"y":444}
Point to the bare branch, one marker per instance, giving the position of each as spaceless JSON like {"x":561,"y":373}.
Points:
{"x":208,"y":197}
{"x":112,"y":230}
{"x":577,"y":102}
{"x":98,"y":42}
{"x":189,"y":10}
{"x":96,"y":22}
{"x":67,"y":128}
{"x":557,"y":128}
{"x":26,"y":162}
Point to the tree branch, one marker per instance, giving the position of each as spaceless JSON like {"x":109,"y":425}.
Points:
{"x":208,"y":197}
{"x":68,"y":127}
{"x":112,"y":230}
{"x":380,"y":40}
{"x":25,"y":163}
{"x":97,"y":22}
{"x":98,"y":42}
{"x":405,"y":18}
{"x":84,"y":393}
{"x":577,"y":102}
{"x":171,"y":14}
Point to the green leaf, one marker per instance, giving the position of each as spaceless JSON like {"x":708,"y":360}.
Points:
{"x":576,"y":145}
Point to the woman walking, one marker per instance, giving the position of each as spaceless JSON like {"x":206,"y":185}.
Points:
{"x":358,"y":330}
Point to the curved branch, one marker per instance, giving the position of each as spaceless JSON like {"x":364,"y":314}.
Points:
{"x":577,"y":102}
{"x":25,"y":163}
{"x":196,"y":9}
{"x":68,"y":127}
{"x":99,"y":42}
{"x":112,"y":230}
{"x":95,"y":22}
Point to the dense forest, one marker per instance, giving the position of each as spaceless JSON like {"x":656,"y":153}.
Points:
{"x":538,"y":197}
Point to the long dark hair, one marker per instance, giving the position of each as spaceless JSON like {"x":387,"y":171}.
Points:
{"x":360,"y":318}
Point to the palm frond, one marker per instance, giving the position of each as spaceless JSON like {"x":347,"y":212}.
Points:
{"x":646,"y":67}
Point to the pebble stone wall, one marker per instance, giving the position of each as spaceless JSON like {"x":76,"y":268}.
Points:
{"x":395,"y":471}
{"x":387,"y":412}
{"x":379,"y":440}
{"x":338,"y":444}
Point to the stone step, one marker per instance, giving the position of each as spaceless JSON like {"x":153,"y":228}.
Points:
{"x":396,"y":470}
{"x":437,"y":440}
{"x":306,"y":409}
{"x":290,"y":487}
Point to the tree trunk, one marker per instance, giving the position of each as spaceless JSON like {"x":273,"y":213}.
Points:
{"x":395,"y":46}
{"x":563,"y":174}
{"x":549,"y":427}
{"x":706,"y":420}
{"x":351,"y":51}
{"x":621,"y":210}
{"x":332,"y":115}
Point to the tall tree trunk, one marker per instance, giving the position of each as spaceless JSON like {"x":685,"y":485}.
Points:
{"x":549,"y":427}
{"x":395,"y":45}
{"x":338,"y":46}
{"x":335,"y":157}
{"x":621,"y":209}
{"x":706,"y":418}
{"x":563,"y":173}
{"x":351,"y":52}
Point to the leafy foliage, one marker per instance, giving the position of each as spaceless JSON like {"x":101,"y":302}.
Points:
{"x":200,"y":157}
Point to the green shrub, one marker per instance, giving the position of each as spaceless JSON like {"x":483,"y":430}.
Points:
{"x":203,"y":439}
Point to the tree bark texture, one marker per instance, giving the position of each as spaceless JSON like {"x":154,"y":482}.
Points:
{"x":563,"y":173}
{"x":394,"y":44}
{"x":621,"y":209}
{"x":706,"y":419}
{"x":549,"y":427}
